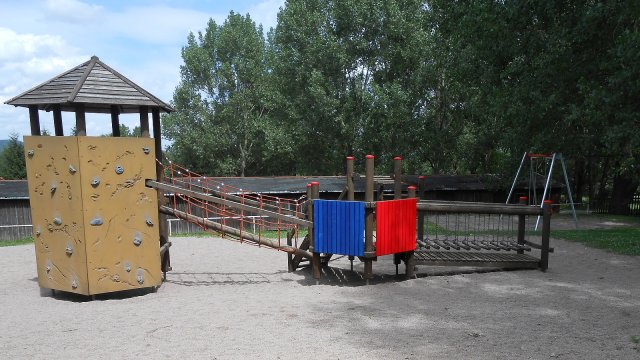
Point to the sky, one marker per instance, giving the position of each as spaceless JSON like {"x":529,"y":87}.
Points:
{"x":141,"y":39}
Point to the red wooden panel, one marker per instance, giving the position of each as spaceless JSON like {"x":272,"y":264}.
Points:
{"x":395,"y":226}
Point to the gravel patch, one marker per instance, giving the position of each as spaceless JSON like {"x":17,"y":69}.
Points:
{"x":226,"y":300}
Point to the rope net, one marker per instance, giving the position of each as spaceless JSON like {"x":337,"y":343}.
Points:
{"x":225,"y":218}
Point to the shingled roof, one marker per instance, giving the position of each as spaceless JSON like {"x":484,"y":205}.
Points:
{"x":93,"y":84}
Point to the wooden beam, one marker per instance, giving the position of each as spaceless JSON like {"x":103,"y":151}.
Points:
{"x":350,"y":188}
{"x":81,"y":123}
{"x":477,"y":208}
{"x":144,"y":121}
{"x":369,"y":219}
{"x":115,"y":121}
{"x":227,"y":202}
{"x":240,"y":199}
{"x":34,"y":119}
{"x":57,"y":120}
{"x":157,"y":134}
{"x":397,"y":177}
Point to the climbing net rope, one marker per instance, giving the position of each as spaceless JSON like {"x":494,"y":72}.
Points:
{"x":237,"y":214}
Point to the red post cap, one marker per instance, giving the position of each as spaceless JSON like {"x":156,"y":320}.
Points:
{"x":421,"y":177}
{"x":369,"y":156}
{"x":524,"y":198}
{"x":411,"y":187}
{"x":397,"y":158}
{"x":315,"y":183}
{"x":309,"y":185}
{"x":349,"y":157}
{"x":548,"y":202}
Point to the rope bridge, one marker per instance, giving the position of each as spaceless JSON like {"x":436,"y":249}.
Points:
{"x":233,"y":213}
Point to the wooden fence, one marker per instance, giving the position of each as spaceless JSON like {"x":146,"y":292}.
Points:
{"x":15,"y":219}
{"x":602,"y":206}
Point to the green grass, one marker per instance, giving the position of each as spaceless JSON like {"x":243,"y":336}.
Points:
{"x":24,"y":241}
{"x":623,"y":240}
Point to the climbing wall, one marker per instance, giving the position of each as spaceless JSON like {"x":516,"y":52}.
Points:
{"x":95,"y":222}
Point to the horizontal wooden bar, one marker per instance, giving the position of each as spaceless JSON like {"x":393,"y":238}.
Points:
{"x":226,"y":202}
{"x":477,"y":208}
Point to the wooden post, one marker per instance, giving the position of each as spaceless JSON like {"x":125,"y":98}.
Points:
{"x":350,"y":189}
{"x":163,"y":225}
{"x":81,"y":123}
{"x":350,"y":192}
{"x":521,"y":224}
{"x":369,"y":251}
{"x":57,"y":120}
{"x":115,"y":121}
{"x":315,"y":260}
{"x":421,"y":214}
{"x":409,"y":256}
{"x":546,"y":233}
{"x":34,"y":118}
{"x":397,"y":177}
{"x":144,"y":121}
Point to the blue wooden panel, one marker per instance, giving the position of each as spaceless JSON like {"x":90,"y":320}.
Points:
{"x":338,"y":227}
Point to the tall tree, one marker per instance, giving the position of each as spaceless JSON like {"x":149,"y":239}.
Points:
{"x":223,"y":104}
{"x":12,"y":162}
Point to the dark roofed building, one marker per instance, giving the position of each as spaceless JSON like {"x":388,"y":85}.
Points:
{"x":15,"y":214}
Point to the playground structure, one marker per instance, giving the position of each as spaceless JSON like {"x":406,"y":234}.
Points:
{"x":100,"y":205}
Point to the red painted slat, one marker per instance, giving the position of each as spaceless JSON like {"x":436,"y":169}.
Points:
{"x":395,"y":226}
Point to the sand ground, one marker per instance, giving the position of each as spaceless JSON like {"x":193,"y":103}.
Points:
{"x":226,"y":300}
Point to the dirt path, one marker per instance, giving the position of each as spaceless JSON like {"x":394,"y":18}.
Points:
{"x":216,"y":306}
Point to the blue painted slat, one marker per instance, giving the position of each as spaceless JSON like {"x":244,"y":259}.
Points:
{"x":338,"y":227}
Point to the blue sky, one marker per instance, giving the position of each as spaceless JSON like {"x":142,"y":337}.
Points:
{"x":141,"y":39}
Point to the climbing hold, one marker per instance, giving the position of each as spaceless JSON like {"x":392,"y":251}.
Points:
{"x":119,"y":169}
{"x":96,"y":221}
{"x":74,"y":283}
{"x":48,"y":266}
{"x":53,"y":188}
{"x":30,"y":153}
{"x":137,"y":239}
{"x":146,"y":150}
{"x":57,"y":221}
{"x":95,"y":181}
{"x":72,"y":169}
{"x":38,"y":231}
{"x":69,"y":249}
{"x":127,"y":267}
{"x":140,"y":276}
{"x":149,"y":221}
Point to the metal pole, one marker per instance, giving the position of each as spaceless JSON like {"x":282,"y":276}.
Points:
{"x":546,"y":186}
{"x":421,"y":186}
{"x":515,"y":179}
{"x":566,"y":182}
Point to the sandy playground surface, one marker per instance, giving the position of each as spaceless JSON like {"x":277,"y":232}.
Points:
{"x":225,"y":300}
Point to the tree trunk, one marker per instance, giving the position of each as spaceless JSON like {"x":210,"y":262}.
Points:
{"x":624,"y":187}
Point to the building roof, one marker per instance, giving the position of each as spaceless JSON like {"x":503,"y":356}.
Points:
{"x":14,"y":189}
{"x":93,"y":84}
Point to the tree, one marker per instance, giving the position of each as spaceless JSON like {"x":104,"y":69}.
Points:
{"x":12,"y":161}
{"x":222,"y":124}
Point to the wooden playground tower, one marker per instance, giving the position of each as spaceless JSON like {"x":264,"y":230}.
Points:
{"x":99,"y":204}
{"x":96,"y":225}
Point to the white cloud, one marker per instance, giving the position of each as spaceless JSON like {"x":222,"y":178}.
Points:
{"x":73,"y":11}
{"x":157,"y":24}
